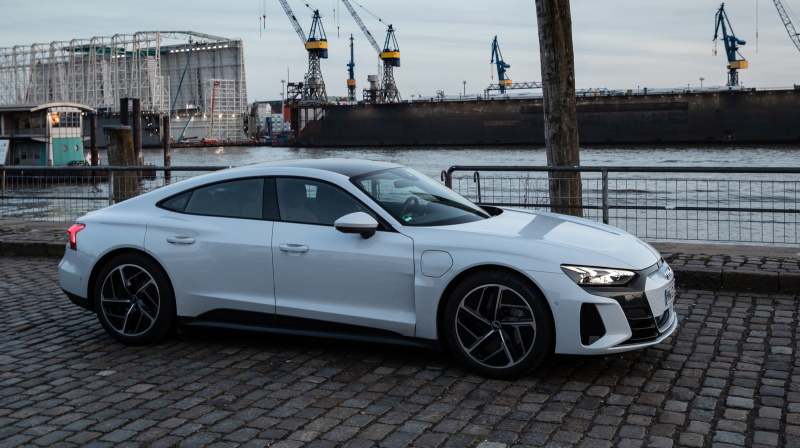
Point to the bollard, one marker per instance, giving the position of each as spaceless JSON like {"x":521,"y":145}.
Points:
{"x":119,"y":142}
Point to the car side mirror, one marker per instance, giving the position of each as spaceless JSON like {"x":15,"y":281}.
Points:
{"x":358,"y":222}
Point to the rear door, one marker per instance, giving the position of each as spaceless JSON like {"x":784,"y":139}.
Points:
{"x":216,"y":247}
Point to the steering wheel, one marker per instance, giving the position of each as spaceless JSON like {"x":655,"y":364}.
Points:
{"x":407,"y":205}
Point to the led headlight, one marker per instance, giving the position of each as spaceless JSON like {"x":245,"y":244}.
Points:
{"x":589,"y":276}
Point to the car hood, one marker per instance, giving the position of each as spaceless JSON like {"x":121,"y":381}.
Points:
{"x":573,"y":240}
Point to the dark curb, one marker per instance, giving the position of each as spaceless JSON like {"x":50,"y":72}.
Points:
{"x":789,"y":282}
{"x":31,"y":249}
{"x":698,"y":277}
{"x":750,"y":280}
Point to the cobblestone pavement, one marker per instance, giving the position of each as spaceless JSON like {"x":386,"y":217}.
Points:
{"x":730,"y":377}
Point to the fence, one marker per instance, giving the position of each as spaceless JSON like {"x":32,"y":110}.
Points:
{"x":64,"y":194}
{"x":736,"y":205}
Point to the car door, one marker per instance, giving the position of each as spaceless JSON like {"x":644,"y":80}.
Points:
{"x":326,"y":275}
{"x":216,"y":248}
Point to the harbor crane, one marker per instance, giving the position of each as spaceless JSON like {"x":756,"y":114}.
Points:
{"x":503,"y":82}
{"x":351,"y":80}
{"x":313,"y":89}
{"x":390,"y":55}
{"x":732,"y":44}
{"x":787,"y":22}
{"x":497,"y":58}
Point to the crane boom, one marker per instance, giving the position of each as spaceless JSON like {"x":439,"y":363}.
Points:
{"x":787,"y":22}
{"x":732,"y":44}
{"x":362,"y":26}
{"x":497,"y":58}
{"x":298,"y":29}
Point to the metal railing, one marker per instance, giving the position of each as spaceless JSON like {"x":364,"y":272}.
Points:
{"x":736,"y":205}
{"x":65,"y":193}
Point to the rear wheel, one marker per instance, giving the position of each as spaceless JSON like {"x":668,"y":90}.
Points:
{"x":498,"y":324}
{"x":134,"y":300}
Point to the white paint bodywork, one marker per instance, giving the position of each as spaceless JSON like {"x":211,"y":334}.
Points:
{"x":392,"y":281}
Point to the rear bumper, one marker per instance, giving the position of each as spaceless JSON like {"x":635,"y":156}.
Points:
{"x":80,"y":301}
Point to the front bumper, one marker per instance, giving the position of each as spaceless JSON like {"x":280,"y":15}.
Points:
{"x":596,"y":321}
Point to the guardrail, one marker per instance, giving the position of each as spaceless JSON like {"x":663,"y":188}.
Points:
{"x":64,"y":193}
{"x":736,"y":205}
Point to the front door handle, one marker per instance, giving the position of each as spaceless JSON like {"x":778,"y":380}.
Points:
{"x":293,"y":248}
{"x":180,"y":240}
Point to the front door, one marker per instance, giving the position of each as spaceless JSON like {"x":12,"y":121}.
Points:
{"x":323,"y":274}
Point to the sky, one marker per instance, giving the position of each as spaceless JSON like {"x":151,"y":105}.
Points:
{"x":618,"y":44}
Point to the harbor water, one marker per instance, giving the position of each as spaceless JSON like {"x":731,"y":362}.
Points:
{"x":734,"y":208}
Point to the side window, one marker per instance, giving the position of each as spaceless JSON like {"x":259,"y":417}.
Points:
{"x":234,"y":199}
{"x":311,"y":202}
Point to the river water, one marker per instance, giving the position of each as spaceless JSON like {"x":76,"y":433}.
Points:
{"x":743,"y":208}
{"x":432,"y":161}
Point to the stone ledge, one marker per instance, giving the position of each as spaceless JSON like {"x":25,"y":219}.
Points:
{"x":31,"y":249}
{"x":750,"y":280}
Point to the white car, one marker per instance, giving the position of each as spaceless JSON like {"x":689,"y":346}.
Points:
{"x":366,"y":250}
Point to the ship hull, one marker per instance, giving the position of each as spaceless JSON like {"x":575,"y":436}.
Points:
{"x":726,"y":116}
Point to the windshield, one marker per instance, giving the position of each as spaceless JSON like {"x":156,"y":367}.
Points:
{"x":416,"y":200}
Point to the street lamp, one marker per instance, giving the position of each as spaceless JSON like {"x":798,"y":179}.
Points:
{"x":701,"y":81}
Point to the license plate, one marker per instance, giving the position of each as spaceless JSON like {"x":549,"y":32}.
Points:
{"x":669,"y":295}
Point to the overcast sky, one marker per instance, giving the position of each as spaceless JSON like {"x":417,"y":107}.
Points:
{"x":619,"y":44}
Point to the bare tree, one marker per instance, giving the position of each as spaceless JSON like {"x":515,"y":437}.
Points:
{"x":560,"y":115}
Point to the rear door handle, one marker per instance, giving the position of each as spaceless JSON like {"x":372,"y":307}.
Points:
{"x":180,"y":240}
{"x":293,"y":248}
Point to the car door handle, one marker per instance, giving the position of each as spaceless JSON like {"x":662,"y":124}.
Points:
{"x":180,"y":240}
{"x":293,"y":248}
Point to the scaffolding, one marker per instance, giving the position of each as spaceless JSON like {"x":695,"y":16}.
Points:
{"x":168,"y":79}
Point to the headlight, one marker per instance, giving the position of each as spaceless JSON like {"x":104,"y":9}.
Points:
{"x":588,"y":276}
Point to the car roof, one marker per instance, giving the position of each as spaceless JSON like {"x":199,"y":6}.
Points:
{"x":345,"y":167}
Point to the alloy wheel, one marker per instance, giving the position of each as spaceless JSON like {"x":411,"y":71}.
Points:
{"x":495,"y":326}
{"x":130,"y":300}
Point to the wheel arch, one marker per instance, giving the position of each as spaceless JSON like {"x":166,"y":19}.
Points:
{"x":114,"y":253}
{"x":443,"y":299}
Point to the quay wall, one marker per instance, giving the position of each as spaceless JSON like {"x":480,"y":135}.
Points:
{"x":762,"y":116}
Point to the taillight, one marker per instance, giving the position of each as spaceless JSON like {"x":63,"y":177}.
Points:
{"x":73,"y":235}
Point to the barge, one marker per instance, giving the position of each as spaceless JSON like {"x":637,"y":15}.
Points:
{"x":742,"y":116}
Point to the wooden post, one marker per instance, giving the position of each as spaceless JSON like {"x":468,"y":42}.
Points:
{"x":119,"y":142}
{"x":137,"y":130}
{"x":94,"y":140}
{"x":560,"y":114}
{"x":165,"y":132}
{"x":123,"y":111}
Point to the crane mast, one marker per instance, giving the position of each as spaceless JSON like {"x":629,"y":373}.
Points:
{"x":313,"y":89}
{"x":497,"y":58}
{"x":787,"y":22}
{"x":351,"y":80}
{"x":390,"y":55}
{"x":732,"y":44}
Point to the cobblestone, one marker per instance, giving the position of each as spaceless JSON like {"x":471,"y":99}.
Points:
{"x":64,"y":382}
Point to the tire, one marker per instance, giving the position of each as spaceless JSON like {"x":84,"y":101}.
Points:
{"x":134,"y":300}
{"x":498,"y":324}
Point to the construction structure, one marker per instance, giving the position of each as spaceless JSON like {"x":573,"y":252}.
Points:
{"x":787,"y":23}
{"x":503,"y":82}
{"x":732,"y":43}
{"x":390,"y":55}
{"x":312,"y":91}
{"x":184,"y":79}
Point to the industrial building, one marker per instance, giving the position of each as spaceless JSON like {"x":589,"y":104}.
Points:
{"x":197,"y":79}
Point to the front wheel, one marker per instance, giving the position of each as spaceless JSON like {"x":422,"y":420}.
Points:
{"x":134,"y":300}
{"x":498,"y":324}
